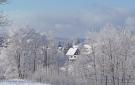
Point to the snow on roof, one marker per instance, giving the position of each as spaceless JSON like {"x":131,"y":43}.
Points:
{"x":71,"y":51}
{"x":87,"y":46}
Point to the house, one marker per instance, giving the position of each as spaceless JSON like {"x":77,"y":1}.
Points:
{"x":86,"y":49}
{"x":72,"y":53}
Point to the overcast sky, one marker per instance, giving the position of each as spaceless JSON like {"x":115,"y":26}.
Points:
{"x":70,"y":18}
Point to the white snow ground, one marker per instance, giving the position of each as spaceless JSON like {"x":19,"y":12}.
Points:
{"x":19,"y":82}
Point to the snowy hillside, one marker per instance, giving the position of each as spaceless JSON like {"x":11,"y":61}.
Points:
{"x":19,"y":82}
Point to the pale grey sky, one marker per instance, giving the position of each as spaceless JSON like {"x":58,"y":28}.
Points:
{"x":70,"y":18}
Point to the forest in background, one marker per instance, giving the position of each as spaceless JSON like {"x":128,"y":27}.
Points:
{"x":27,"y":54}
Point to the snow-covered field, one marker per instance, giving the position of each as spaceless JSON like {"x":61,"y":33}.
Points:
{"x":19,"y":82}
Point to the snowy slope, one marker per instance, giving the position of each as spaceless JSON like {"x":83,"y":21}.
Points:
{"x":19,"y":82}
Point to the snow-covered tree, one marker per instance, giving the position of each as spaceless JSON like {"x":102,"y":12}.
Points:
{"x":111,"y":59}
